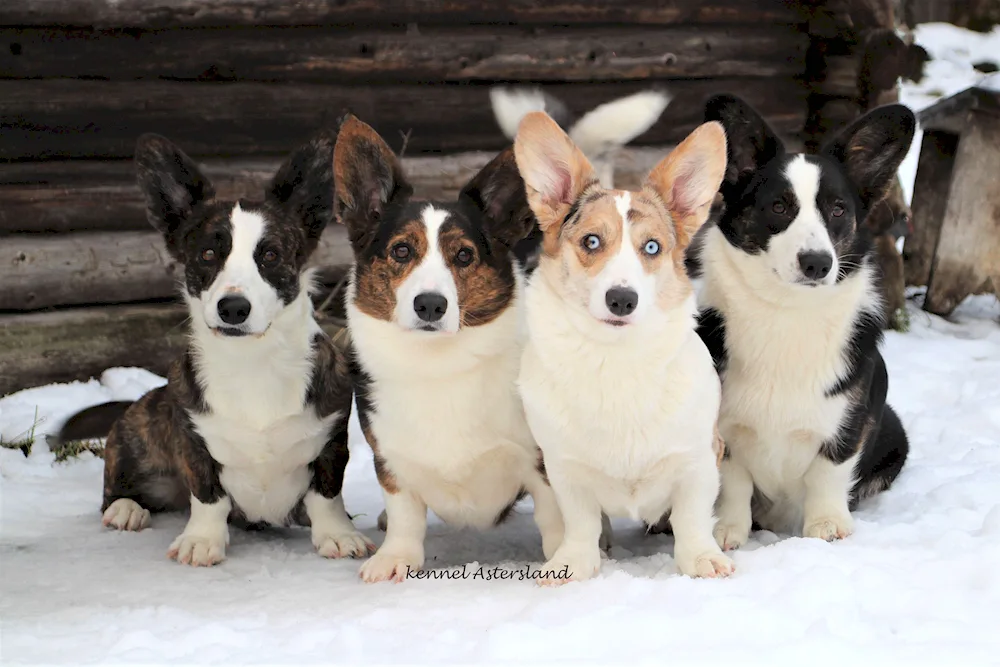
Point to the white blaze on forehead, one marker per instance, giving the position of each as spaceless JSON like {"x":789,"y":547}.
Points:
{"x":623,"y":202}
{"x":804,"y":177}
{"x":432,"y":274}
{"x":240,"y":275}
{"x":240,"y":266}
{"x":808,"y":231}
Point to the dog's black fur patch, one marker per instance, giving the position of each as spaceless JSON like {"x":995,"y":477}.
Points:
{"x":856,"y":167}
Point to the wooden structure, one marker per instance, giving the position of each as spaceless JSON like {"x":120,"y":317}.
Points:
{"x":955,"y":251}
{"x":239,"y":83}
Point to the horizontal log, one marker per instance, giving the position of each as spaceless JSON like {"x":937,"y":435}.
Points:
{"x":102,"y":119}
{"x":69,"y":345}
{"x":94,"y":195}
{"x":81,"y":343}
{"x":162,"y":13}
{"x":473,"y":53}
{"x":108,"y":267}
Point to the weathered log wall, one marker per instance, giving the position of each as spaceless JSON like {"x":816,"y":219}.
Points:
{"x":239,"y":83}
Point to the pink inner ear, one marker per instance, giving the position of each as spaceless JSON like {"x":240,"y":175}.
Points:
{"x":685,"y":190}
{"x":560,"y":184}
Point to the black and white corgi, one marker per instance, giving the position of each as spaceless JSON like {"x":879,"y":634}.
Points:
{"x":619,"y":390}
{"x":434,"y":312}
{"x":792,"y":316}
{"x":252,"y":422}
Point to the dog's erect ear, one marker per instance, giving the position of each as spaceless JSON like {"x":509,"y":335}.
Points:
{"x":871,"y":149}
{"x":689,"y":177}
{"x":171,"y":185}
{"x":303,"y":186}
{"x":368,"y":176}
{"x":750,"y":141}
{"x":554,"y":170}
{"x":497,"y":191}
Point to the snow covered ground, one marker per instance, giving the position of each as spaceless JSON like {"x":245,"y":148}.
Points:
{"x":916,"y":584}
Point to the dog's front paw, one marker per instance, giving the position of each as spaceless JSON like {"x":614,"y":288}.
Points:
{"x":125,"y":514}
{"x":708,"y":564}
{"x":385,"y":566}
{"x":199,"y":550}
{"x":352,"y":544}
{"x":570,"y":565}
{"x":829,"y":528}
{"x":731,"y":536}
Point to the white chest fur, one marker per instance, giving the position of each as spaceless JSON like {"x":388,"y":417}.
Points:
{"x":258,"y":428}
{"x":447,"y":418}
{"x":785,"y":348}
{"x":624,"y":418}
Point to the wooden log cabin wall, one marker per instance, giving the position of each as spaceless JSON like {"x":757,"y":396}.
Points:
{"x":85,"y":284}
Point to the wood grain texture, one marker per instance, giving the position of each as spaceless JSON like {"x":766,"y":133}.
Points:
{"x":102,"y":119}
{"x":161,"y":13}
{"x":108,"y":267}
{"x":97,"y":195}
{"x":400,"y":55}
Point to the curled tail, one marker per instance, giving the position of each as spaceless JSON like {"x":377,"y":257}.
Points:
{"x":91,"y":423}
{"x":598,"y":133}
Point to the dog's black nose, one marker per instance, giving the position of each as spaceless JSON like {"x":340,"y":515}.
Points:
{"x":430,"y":306}
{"x":815,"y":265}
{"x":234,"y":309}
{"x":621,"y":300}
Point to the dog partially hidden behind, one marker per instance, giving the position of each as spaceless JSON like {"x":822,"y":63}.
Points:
{"x":792,"y":315}
{"x":252,"y":422}
{"x":620,"y":392}
{"x":435,"y":315}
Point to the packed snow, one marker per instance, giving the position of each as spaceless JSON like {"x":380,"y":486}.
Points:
{"x":917,"y":583}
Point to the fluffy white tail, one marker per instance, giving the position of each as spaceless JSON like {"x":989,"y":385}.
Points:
{"x":614,"y":124}
{"x":599,"y":133}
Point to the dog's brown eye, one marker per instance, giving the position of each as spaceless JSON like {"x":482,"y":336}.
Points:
{"x":837,"y":210}
{"x":208,"y":255}
{"x":778,"y":207}
{"x":270,"y":257}
{"x":463,"y":257}
{"x":401,"y":252}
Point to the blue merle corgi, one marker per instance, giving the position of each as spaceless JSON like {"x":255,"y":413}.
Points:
{"x":792,"y":315}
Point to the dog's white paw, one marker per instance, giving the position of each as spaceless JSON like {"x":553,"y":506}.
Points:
{"x":198,"y":550}
{"x":125,"y":514}
{"x":829,"y":528}
{"x":708,"y":564}
{"x":353,"y":544}
{"x":386,"y":566}
{"x":731,"y":536}
{"x":571,"y":565}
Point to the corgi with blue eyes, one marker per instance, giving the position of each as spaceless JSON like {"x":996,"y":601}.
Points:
{"x":619,"y":391}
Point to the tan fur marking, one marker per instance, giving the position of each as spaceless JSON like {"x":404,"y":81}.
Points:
{"x":385,"y":477}
{"x":375,"y":290}
{"x":483,"y":294}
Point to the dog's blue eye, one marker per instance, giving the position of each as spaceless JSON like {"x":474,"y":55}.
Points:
{"x":837,"y":210}
{"x":591,"y":241}
{"x":652,"y":248}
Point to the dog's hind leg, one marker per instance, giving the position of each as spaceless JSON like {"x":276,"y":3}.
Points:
{"x":882,"y":458}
